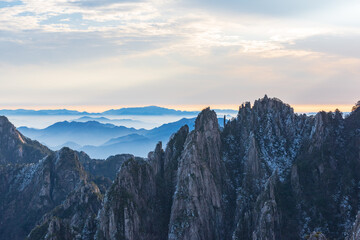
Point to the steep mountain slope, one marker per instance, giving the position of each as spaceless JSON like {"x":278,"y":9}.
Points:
{"x":30,"y":191}
{"x":103,"y":168}
{"x":197,"y":211}
{"x":138,"y":204}
{"x":49,"y":188}
{"x":74,"y":218}
{"x":268,"y":174}
{"x":308,"y":165}
{"x":259,"y":147}
{"x":16,"y":148}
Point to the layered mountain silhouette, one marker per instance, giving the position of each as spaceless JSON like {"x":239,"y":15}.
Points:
{"x":267,"y":174}
{"x":118,"y":122}
{"x":148,"y":110}
{"x":101,"y":140}
{"x":91,"y":132}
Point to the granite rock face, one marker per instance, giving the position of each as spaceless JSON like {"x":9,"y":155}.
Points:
{"x":16,"y":148}
{"x":107,"y":168}
{"x":269,"y":174}
{"x":355,"y":231}
{"x":29,"y":191}
{"x":138,"y":204}
{"x":197,"y":209}
{"x":75,"y":218}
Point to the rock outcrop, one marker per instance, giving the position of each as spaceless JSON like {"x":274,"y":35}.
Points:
{"x":138,"y":204}
{"x":355,"y":231}
{"x":30,"y":191}
{"x":107,"y":168}
{"x":268,"y":174}
{"x":197,"y":210}
{"x":16,"y":148}
{"x":75,"y":218}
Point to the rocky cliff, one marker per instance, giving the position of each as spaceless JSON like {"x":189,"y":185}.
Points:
{"x":75,"y":218}
{"x":138,"y":204}
{"x":16,"y":148}
{"x":197,"y":210}
{"x":268,"y":174}
{"x":29,"y":191}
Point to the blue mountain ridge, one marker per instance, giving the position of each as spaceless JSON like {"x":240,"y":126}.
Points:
{"x":102,"y":140}
{"x":144,"y":111}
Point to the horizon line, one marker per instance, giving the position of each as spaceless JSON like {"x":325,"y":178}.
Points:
{"x":299,"y":108}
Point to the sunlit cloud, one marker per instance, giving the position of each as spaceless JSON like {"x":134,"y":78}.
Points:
{"x":177,"y":52}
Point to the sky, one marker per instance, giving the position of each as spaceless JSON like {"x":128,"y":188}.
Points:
{"x":187,"y":54}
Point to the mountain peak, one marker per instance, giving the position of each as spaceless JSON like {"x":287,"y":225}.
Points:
{"x":266,"y":99}
{"x":206,"y":117}
{"x":67,"y":156}
{"x":5,"y":124}
{"x":3,"y":119}
{"x":9,"y":130}
{"x":357,"y":106}
{"x":265,"y":104}
{"x":15,"y":148}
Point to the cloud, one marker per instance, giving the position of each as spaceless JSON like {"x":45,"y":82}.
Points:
{"x":37,"y":47}
{"x":97,"y":3}
{"x":343,"y":45}
{"x":7,"y":4}
{"x":265,"y":7}
{"x":174,"y":52}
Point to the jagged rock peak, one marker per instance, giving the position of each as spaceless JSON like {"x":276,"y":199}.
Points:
{"x":265,"y":105}
{"x":35,"y":189}
{"x":158,"y":147}
{"x":3,"y":120}
{"x":246,"y":105}
{"x":176,"y":143}
{"x":157,"y":151}
{"x":7,"y":128}
{"x":16,"y":148}
{"x":206,"y":120}
{"x":356,"y":107}
{"x":271,"y":103}
{"x":156,"y":159}
{"x":196,"y":211}
{"x":67,"y":156}
{"x":129,"y":210}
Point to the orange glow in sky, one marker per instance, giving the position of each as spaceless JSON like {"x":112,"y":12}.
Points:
{"x":297,"y":108}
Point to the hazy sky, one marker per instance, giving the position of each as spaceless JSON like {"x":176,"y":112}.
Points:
{"x":94,"y":54}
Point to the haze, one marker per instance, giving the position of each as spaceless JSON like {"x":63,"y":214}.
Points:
{"x":180,"y":53}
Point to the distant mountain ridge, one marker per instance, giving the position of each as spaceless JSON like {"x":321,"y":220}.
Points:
{"x":148,"y":110}
{"x":108,"y":120}
{"x":144,"y":111}
{"x":91,"y":132}
{"x":43,"y":112}
{"x":101,"y":140}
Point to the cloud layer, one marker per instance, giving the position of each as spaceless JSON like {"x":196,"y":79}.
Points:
{"x":138,"y":52}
